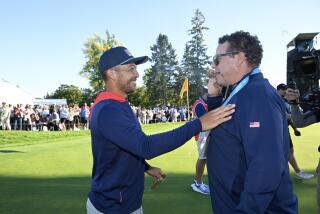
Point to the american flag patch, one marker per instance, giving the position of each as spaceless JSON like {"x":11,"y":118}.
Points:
{"x":254,"y":125}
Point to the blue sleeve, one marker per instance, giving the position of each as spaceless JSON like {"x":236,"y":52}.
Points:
{"x":117,"y":125}
{"x":199,"y":110}
{"x":261,"y":123}
{"x":214,"y":102}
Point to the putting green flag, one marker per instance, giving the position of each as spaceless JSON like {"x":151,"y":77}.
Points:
{"x":184,"y":88}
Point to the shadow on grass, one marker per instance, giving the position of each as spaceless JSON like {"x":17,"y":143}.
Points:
{"x":69,"y":194}
{"x":43,"y":195}
{"x":10,"y":151}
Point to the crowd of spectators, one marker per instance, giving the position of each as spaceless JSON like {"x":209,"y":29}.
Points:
{"x":72,"y":117}
{"x":158,"y":114}
{"x":43,"y":117}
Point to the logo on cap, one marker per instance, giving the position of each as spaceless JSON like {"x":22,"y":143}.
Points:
{"x":127,"y":52}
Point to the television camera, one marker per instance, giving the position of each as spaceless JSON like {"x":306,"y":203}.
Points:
{"x":303,"y":69}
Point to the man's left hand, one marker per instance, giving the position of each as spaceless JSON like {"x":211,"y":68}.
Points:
{"x":157,"y":173}
{"x":158,"y":176}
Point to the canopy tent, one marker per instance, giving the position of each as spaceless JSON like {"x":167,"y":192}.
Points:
{"x":50,"y":101}
{"x":11,"y":94}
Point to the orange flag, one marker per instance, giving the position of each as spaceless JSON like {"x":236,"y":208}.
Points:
{"x":184,"y":88}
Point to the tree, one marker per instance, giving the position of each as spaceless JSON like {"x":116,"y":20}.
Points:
{"x":88,"y":96}
{"x":159,"y":80}
{"x":70,"y":92}
{"x":186,"y":65}
{"x":94,"y":47}
{"x":185,"y":68}
{"x":139,"y":97}
{"x":195,"y":61}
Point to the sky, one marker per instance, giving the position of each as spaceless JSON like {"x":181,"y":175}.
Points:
{"x":42,"y":41}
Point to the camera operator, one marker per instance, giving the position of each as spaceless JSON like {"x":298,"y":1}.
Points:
{"x":281,"y":89}
{"x":299,"y":118}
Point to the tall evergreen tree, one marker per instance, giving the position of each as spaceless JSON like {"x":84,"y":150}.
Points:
{"x":196,"y":61}
{"x":184,"y":72}
{"x":159,"y":80}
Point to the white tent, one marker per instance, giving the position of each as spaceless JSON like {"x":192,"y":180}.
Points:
{"x":38,"y":101}
{"x":13,"y":95}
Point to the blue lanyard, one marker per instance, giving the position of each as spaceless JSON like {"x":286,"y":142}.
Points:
{"x":241,"y":84}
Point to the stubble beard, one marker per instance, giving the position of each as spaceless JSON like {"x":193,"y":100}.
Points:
{"x":131,"y":86}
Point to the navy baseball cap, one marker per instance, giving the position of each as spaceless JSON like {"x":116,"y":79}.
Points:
{"x":118,"y":56}
{"x":282,"y":86}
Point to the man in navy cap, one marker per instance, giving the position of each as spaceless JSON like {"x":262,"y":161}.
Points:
{"x":119,"y":146}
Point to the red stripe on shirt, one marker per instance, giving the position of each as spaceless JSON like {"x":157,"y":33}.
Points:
{"x":105,"y":95}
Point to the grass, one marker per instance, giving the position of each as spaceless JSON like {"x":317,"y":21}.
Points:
{"x":16,"y":138}
{"x":49,"y":172}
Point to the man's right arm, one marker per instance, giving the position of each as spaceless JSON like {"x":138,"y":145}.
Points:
{"x":119,"y":128}
{"x":199,"y":110}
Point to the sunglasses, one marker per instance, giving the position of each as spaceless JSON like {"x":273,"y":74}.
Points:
{"x":217,"y":56}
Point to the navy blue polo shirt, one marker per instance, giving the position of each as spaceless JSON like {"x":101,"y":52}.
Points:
{"x":119,"y":149}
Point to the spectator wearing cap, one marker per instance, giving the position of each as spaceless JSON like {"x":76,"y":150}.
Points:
{"x":119,"y":146}
{"x":282,"y":88}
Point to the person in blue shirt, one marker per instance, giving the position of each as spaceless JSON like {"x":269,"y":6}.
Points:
{"x":247,"y":157}
{"x":85,"y":116}
{"x":120,"y":147}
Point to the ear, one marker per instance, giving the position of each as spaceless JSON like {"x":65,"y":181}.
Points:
{"x":111,"y":74}
{"x":241,"y":58}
